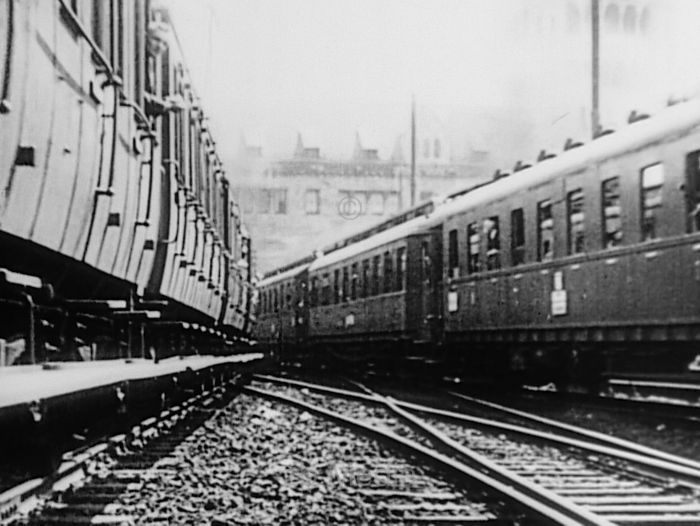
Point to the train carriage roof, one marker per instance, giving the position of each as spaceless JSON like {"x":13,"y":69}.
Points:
{"x":286,"y":273}
{"x":671,"y":123}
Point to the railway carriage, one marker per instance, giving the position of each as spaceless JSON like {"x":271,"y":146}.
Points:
{"x":111,"y":183}
{"x":282,"y":323}
{"x":378,"y":296}
{"x":583,"y":263}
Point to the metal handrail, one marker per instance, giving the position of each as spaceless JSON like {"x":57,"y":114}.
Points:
{"x":93,"y":45}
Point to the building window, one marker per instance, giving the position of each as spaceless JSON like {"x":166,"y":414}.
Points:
{"x":573,"y":18}
{"x":644,"y":21}
{"x":247,"y":199}
{"x":437,"y":150}
{"x":612,"y":217}
{"x":375,"y":203}
{"x":279,"y":200}
{"x":365,"y":278}
{"x":493,"y":243}
{"x":652,"y":196}
{"x":473,"y":248}
{"x":576,"y":222}
{"x":354,"y":279}
{"x":612,"y":18}
{"x":545,"y":231}
{"x":517,"y":236}
{"x":391,"y":203}
{"x":400,"y":268}
{"x":453,"y":253}
{"x":375,"y":276}
{"x":388,"y":271}
{"x":262,"y":202}
{"x":312,"y":201}
{"x":629,"y":20}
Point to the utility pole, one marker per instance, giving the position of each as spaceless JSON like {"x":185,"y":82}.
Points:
{"x":413,"y":151}
{"x":595,"y":67}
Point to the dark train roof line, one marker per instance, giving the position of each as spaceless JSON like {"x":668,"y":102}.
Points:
{"x":427,"y":208}
{"x":290,"y":266}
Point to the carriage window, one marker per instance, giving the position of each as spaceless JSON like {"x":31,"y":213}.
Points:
{"x":692,"y":168}
{"x":288,"y":297}
{"x":312,"y":201}
{"x":313,"y":292}
{"x":346,"y":284}
{"x":473,"y":247}
{"x":427,"y":266}
{"x":365,"y":279}
{"x":337,"y":290}
{"x":375,"y":276}
{"x":388,"y":271}
{"x":326,"y":289}
{"x":493,"y":243}
{"x":576,"y":224}
{"x":612,"y":221}
{"x":354,"y":279}
{"x":652,"y":186}
{"x":545,"y":231}
{"x":453,"y":254}
{"x":517,"y":236}
{"x":400,"y":267}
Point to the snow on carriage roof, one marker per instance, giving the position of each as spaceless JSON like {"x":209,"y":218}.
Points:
{"x":289,"y":273}
{"x":672,"y":121}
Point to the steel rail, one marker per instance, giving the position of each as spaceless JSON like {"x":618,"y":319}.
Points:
{"x":539,"y":501}
{"x":593,"y":435}
{"x":677,"y":466}
{"x":25,"y":494}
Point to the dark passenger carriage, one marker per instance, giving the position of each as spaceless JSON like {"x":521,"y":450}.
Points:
{"x":377,"y":295}
{"x":565,"y":263}
{"x":282,"y":321}
{"x":579,"y":265}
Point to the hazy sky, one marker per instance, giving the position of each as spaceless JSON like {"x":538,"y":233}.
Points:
{"x":270,"y":67}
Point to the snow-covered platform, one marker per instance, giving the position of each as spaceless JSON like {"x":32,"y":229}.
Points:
{"x":26,"y":383}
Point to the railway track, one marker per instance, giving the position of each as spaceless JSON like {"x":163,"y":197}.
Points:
{"x":590,"y":478}
{"x":88,"y":486}
{"x":190,"y":465}
{"x":281,"y":453}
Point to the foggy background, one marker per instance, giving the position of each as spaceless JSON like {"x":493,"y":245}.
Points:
{"x":268,"y":68}
{"x":495,"y":81}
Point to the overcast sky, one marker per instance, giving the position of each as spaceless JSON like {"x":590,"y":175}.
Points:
{"x":270,"y":68}
{"x":334,"y":66}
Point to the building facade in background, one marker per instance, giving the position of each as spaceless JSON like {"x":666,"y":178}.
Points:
{"x":297,"y":205}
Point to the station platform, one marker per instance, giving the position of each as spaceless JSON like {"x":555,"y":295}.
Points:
{"x":25,"y":383}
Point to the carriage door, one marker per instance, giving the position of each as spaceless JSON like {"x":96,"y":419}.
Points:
{"x":692,"y":191}
{"x":431,"y":280}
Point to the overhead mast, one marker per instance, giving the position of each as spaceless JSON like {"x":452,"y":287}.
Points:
{"x":413,"y":151}
{"x":595,"y":68}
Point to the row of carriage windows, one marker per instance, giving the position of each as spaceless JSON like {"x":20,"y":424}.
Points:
{"x":486,"y":234}
{"x":380,"y":274}
{"x":386,"y":273}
